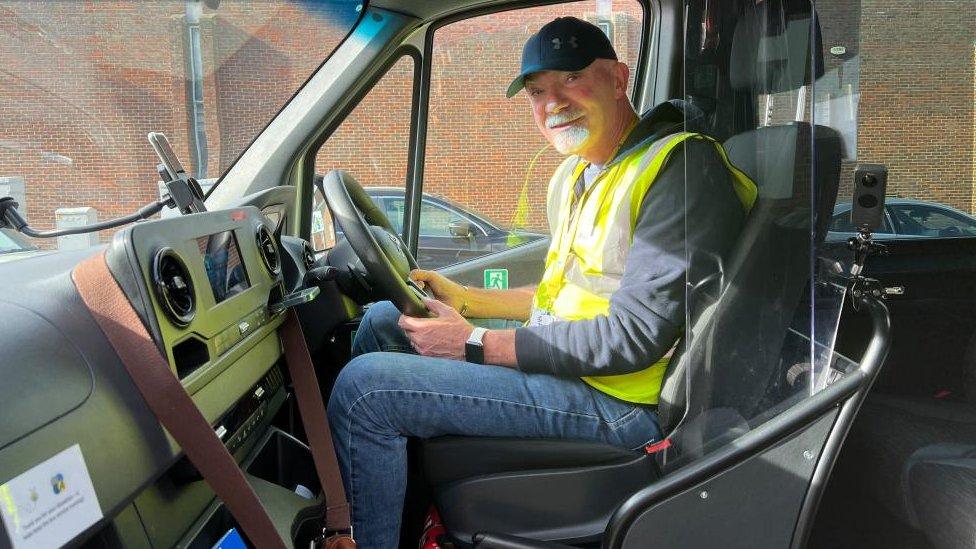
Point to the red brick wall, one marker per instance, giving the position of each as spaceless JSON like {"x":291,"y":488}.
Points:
{"x":77,"y":134}
{"x":85,"y":81}
{"x":917,"y":97}
{"x":92,"y":110}
{"x":372,"y":142}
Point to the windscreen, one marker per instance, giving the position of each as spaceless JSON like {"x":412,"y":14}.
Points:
{"x":762,"y":308}
{"x":83,"y":83}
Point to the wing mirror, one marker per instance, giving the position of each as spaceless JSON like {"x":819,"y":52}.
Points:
{"x":460,"y":228}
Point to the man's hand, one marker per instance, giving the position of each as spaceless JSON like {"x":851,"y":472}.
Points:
{"x":443,"y":336}
{"x":514,"y":304}
{"x":444,"y":290}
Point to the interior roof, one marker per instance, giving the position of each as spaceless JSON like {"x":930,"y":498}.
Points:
{"x":430,"y":10}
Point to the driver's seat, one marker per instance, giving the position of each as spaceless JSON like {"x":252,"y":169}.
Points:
{"x":566,"y":490}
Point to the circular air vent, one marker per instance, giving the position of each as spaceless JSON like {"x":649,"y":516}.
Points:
{"x":174,"y":287}
{"x":308,"y":256}
{"x":268,"y":250}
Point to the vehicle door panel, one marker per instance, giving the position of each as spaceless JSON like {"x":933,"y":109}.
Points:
{"x":524,"y":263}
{"x":434,"y":252}
{"x":933,"y":318}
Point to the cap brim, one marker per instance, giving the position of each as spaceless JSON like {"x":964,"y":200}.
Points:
{"x":565,"y":64}
{"x":516,"y":86}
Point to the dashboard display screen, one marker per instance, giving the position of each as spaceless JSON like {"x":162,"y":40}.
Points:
{"x":223,"y":263}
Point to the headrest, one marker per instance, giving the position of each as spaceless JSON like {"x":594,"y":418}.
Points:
{"x":771,"y":47}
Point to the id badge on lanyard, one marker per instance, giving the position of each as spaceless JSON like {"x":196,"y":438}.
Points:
{"x":540,"y":317}
{"x":568,"y":229}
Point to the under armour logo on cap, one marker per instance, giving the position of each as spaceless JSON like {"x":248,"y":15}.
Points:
{"x":557,"y":43}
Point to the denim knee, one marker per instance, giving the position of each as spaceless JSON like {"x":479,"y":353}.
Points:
{"x":354,"y":381}
{"x":381,"y":316}
{"x":378,"y":330}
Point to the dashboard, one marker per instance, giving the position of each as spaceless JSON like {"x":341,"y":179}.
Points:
{"x":204,"y":286}
{"x":203,"y":283}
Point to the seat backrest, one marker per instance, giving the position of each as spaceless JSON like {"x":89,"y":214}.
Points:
{"x":770,"y":264}
{"x":732,"y":346}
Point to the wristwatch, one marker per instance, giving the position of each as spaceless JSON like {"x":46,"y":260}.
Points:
{"x":474,"y":349}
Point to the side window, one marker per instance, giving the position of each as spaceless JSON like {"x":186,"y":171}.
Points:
{"x":435,"y":220}
{"x":912,"y":111}
{"x":841,"y":223}
{"x":393,"y":207}
{"x":925,"y":220}
{"x":323,"y":232}
{"x":372,"y":144}
{"x":484,"y":152}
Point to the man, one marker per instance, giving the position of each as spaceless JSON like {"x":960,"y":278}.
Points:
{"x":602,"y":322}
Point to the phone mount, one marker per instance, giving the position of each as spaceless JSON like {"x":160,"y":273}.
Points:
{"x":863,"y":247}
{"x":186,"y":193}
{"x":867,"y":214}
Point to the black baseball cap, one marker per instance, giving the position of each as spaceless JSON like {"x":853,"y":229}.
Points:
{"x":563,"y":44}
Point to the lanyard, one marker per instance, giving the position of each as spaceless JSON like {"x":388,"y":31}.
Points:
{"x":569,"y":226}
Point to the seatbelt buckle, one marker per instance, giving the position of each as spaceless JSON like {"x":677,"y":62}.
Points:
{"x":659,"y":446}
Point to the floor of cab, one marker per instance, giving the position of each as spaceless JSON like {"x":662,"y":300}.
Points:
{"x":848,"y":518}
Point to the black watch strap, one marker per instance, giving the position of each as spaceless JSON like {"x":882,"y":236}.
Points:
{"x":474,"y":349}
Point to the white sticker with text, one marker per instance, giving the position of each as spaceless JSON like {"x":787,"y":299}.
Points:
{"x":50,"y":504}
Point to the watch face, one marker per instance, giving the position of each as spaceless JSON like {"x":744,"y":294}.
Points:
{"x":474,"y":351}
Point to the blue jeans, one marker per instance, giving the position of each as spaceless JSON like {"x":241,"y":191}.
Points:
{"x":383,"y":397}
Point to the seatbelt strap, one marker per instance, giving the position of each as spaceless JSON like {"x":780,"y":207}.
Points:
{"x":169,"y":401}
{"x":312,"y":409}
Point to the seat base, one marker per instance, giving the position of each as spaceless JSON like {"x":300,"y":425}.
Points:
{"x":545,"y":489}
{"x":447,"y":459}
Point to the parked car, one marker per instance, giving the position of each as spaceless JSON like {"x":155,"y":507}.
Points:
{"x":907,"y":218}
{"x":449,"y":233}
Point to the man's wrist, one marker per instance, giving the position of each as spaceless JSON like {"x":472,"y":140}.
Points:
{"x":499,"y":348}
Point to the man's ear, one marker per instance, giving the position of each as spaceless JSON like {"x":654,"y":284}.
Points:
{"x":621,"y":75}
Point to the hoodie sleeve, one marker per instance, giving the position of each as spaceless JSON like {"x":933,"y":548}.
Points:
{"x":683,"y":215}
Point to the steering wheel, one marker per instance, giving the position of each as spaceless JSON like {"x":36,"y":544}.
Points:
{"x":385,"y":257}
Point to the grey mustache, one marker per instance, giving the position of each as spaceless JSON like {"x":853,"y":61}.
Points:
{"x":557,"y":119}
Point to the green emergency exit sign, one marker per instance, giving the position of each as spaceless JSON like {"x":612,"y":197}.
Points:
{"x":496,"y":279}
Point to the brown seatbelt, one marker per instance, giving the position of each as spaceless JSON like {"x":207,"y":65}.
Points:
{"x":312,"y":409}
{"x":170,"y":402}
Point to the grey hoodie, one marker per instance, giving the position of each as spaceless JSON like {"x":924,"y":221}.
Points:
{"x":690,"y":211}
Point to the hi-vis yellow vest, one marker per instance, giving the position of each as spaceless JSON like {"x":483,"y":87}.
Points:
{"x":592,"y":238}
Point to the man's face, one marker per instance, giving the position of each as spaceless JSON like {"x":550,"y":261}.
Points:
{"x":574,"y":110}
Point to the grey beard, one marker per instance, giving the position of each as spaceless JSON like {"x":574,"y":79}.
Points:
{"x":571,"y":139}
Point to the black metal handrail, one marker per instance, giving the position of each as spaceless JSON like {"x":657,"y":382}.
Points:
{"x":853,"y":385}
